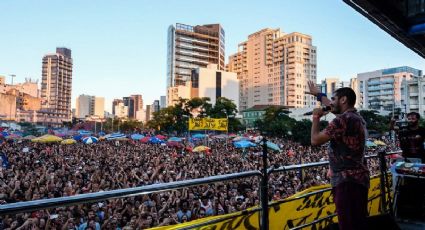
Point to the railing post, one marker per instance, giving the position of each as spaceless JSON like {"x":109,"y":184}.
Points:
{"x":264,"y":192}
{"x":383,"y":168}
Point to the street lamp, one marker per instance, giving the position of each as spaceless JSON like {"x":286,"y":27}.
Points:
{"x":10,"y":110}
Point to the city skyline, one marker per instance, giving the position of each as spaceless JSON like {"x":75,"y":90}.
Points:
{"x":125,"y":44}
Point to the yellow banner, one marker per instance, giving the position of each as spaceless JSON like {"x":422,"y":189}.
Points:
{"x":219,"y":124}
{"x":288,"y":213}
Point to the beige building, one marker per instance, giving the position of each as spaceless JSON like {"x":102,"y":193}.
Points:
{"x":29,"y":87}
{"x":381,"y":89}
{"x":87,"y":105}
{"x":273,"y":69}
{"x":2,"y":80}
{"x":190,"y":47}
{"x":354,"y":84}
{"x":121,"y":110}
{"x":56,"y":84}
{"x":8,"y":106}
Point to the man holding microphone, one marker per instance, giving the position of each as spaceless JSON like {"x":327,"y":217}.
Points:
{"x":349,"y":173}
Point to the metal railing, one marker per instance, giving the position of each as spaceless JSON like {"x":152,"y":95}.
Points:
{"x":34,"y":205}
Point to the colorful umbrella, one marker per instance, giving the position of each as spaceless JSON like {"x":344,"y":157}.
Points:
{"x":90,"y":140}
{"x":198,"y":135}
{"x":114,"y":136}
{"x":370,"y":144}
{"x":137,"y":136}
{"x":145,"y":139}
{"x":13,"y":137}
{"x":200,"y":148}
{"x":273,"y":146}
{"x":68,"y":142}
{"x":378,"y":142}
{"x":240,"y":138}
{"x":161,"y":137}
{"x":175,"y":139}
{"x":155,"y":140}
{"x":244,"y":144}
{"x":48,"y":138}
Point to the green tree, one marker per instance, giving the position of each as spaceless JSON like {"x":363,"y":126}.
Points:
{"x":374,"y":121}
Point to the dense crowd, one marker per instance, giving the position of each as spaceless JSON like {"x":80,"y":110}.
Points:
{"x":40,"y":171}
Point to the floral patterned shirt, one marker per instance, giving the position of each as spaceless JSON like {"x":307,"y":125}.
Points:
{"x":347,"y":149}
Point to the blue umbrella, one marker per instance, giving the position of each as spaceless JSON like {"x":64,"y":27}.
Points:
{"x":114,"y":136}
{"x":198,"y":135}
{"x":90,"y":140}
{"x":273,"y":146}
{"x":370,"y":144}
{"x":101,"y":133}
{"x":136,"y":136}
{"x":243,"y":144}
{"x":78,"y":137}
{"x":84,"y":132}
{"x":155,"y":140}
{"x":176,"y":139}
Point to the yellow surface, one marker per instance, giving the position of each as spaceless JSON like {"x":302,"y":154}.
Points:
{"x":219,"y":124}
{"x":290,"y":212}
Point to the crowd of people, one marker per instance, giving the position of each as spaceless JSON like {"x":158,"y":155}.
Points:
{"x":40,"y":171}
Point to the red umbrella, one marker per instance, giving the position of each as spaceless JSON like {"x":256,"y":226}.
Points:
{"x":145,"y":139}
{"x":159,"y":136}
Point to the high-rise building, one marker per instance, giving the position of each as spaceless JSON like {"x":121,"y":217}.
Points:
{"x":121,"y":110}
{"x":134,"y":104}
{"x":155,"y":106}
{"x":354,"y":84}
{"x":273,"y":69}
{"x":138,"y":103}
{"x":413,"y":95}
{"x":329,"y":85}
{"x":148,"y":112}
{"x":87,"y":105}
{"x":163,"y":102}
{"x":191,"y":47}
{"x":381,"y":89}
{"x":56,"y":84}
{"x":115,"y":102}
{"x":129,"y":102}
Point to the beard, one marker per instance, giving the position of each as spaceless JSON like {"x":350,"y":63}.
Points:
{"x":413,"y":124}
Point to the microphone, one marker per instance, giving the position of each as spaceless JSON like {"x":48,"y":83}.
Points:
{"x":324,"y":109}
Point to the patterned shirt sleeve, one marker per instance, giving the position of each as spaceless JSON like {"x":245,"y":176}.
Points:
{"x":334,"y":129}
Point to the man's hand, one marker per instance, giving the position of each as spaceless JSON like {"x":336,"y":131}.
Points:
{"x":313,"y":90}
{"x":318,"y":112}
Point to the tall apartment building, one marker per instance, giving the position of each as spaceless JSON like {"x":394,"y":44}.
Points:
{"x":163,"y":102}
{"x":155,"y":106}
{"x":87,"y":105}
{"x":115,"y":102}
{"x":134,"y":104}
{"x":273,"y":69}
{"x":191,"y":47}
{"x":56,"y":84}
{"x":354,"y":84}
{"x":121,"y":110}
{"x":329,"y":85}
{"x":381,"y":89}
{"x":413,"y":95}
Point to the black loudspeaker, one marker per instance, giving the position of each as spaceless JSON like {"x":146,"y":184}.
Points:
{"x":374,"y":222}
